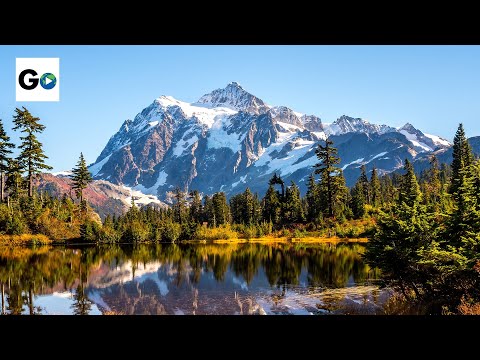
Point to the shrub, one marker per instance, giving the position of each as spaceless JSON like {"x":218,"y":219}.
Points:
{"x":16,"y":225}
{"x":107,"y":234}
{"x":89,"y":231}
{"x":171,"y":231}
{"x":136,"y":231}
{"x":222,"y":232}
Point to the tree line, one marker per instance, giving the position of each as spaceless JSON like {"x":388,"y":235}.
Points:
{"x":24,"y":210}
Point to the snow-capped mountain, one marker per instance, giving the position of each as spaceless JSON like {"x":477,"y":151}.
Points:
{"x":346,"y":124}
{"x":422,"y":141}
{"x":230,"y":139}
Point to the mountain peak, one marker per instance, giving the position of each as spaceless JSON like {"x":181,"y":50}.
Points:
{"x":345,"y":124}
{"x":235,"y":97}
{"x":408,"y":127}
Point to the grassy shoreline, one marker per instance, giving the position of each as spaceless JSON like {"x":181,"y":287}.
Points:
{"x":25,"y":239}
{"x":267,"y":240}
{"x":29,"y":239}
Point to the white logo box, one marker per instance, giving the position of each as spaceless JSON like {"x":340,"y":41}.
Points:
{"x":41,"y":66}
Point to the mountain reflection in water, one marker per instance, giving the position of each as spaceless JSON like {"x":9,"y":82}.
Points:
{"x":189,"y":279}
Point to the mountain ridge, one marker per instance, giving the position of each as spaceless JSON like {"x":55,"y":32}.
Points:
{"x":230,"y":139}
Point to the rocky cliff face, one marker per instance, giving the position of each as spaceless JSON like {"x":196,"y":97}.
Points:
{"x":230,"y":139}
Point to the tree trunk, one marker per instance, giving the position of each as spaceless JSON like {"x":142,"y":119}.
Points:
{"x":30,"y":184}
{"x":3,"y":298}
{"x":2,"y":186}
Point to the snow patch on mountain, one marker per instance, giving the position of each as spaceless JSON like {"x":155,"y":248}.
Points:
{"x":377,"y":156}
{"x":205,"y":114}
{"x":220,"y":138}
{"x":139,"y":197}
{"x":415,"y":141}
{"x":183,"y":144}
{"x":358,"y":161}
{"x":438,"y":140}
{"x":95,"y":169}
{"x":242,"y":179}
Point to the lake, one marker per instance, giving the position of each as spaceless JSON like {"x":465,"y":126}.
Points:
{"x":190,"y":279}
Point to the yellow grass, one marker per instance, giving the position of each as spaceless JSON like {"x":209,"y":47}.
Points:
{"x":24,"y":239}
{"x":271,"y":239}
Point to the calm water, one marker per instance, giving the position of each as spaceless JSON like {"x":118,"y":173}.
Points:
{"x":190,"y":279}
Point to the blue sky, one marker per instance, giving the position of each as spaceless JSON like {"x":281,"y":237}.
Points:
{"x":432,"y":87}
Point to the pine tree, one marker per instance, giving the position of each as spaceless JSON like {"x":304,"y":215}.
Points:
{"x":180,"y":205}
{"x":237,"y":209}
{"x":271,"y":206}
{"x":375,"y":199}
{"x":433,"y":185}
{"x":220,"y":208}
{"x":332,"y":182}
{"x":409,"y":189}
{"x":249,"y":207}
{"x":312,"y":199}
{"x":357,"y":201}
{"x":196,"y":208}
{"x":293,"y":205}
{"x":5,"y":146}
{"x":81,"y":178}
{"x":462,"y":158}
{"x":15,"y":183}
{"x":364,"y":184}
{"x":277,"y":180}
{"x":400,"y":236}
{"x":32,"y":157}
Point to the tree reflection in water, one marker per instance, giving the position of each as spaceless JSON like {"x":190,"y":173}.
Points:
{"x":185,"y":278}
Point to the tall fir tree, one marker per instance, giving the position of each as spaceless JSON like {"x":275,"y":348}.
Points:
{"x":271,"y":206}
{"x":32,"y":157}
{"x":357,"y":201}
{"x":400,"y":236}
{"x":293,"y":204}
{"x":409,"y":189}
{"x":180,"y":205}
{"x":374,"y":188}
{"x":81,"y":177}
{"x":364,"y":184}
{"x":462,"y":158}
{"x":5,"y":151}
{"x":332,"y":182}
{"x":196,"y":208}
{"x":15,"y":182}
{"x":312,"y":199}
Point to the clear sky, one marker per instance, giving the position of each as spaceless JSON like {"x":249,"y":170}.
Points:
{"x":432,"y":87}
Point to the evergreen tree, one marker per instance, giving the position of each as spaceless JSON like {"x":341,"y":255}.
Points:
{"x":293,"y":205}
{"x":277,"y":180}
{"x":31,"y":158}
{"x":400,"y":236}
{"x":462,"y":158}
{"x":220,"y":208}
{"x":375,"y":199}
{"x":180,"y":205}
{"x":332,"y":182}
{"x":81,"y":178}
{"x":15,"y":183}
{"x":433,"y":185}
{"x":250,"y":207}
{"x":312,"y":199}
{"x":196,"y":208}
{"x":5,"y":146}
{"x":364,"y":184}
{"x":271,"y":206}
{"x":357,"y":201}
{"x":409,"y":190}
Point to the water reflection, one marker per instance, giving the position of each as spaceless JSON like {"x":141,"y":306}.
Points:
{"x":188,"y":279}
